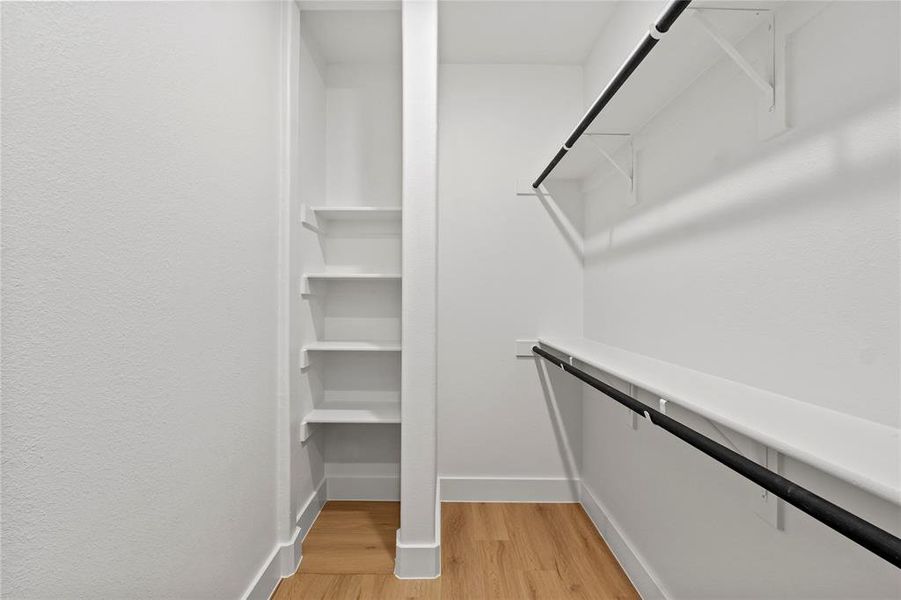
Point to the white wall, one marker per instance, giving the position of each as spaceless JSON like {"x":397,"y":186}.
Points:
{"x":505,"y":271}
{"x":770,"y":263}
{"x":140,"y":147}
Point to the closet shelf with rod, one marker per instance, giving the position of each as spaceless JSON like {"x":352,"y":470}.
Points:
{"x":705,"y":36}
{"x":658,"y":29}
{"x":866,"y":457}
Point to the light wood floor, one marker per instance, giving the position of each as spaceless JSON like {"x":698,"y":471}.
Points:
{"x":489,"y":551}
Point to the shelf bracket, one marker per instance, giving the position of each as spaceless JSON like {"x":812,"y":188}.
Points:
{"x":732,"y":52}
{"x":306,"y":430}
{"x":772,"y":109}
{"x":306,"y":291}
{"x":308,"y":220}
{"x":627,"y":172}
{"x":768,"y":507}
{"x":304,"y":359}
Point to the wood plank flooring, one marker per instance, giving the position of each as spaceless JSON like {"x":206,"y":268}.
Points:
{"x":490,"y":551}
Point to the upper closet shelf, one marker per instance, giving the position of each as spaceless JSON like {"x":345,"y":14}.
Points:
{"x":861,"y":452}
{"x":744,"y":33}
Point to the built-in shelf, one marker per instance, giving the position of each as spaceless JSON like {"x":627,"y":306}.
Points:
{"x":861,"y":452}
{"x":352,"y":347}
{"x":306,"y":289}
{"x":356,"y":213}
{"x":350,"y":412}
{"x":318,"y":218}
{"x":345,"y":347}
{"x":369,"y":412}
{"x":352,"y":276}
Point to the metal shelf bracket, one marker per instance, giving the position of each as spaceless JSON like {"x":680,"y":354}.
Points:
{"x":628,"y":171}
{"x":771,"y":119}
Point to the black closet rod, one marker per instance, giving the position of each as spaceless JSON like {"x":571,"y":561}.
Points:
{"x":874,"y":539}
{"x":661,"y":26}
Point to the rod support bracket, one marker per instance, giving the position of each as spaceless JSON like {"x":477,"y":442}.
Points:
{"x":771,"y":84}
{"x":627,"y":171}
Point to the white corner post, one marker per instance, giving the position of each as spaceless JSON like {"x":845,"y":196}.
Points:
{"x":418,"y":539}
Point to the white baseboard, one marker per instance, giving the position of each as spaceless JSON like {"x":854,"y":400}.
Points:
{"x":342,"y":487}
{"x":285,"y":558}
{"x":307,"y":515}
{"x":632,"y":562}
{"x":416,"y":561}
{"x":264,"y":583}
{"x":501,"y":489}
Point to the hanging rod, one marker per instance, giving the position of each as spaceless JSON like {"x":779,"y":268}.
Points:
{"x":871,"y":537}
{"x":660,"y":27}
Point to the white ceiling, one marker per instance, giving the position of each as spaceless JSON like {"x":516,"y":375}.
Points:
{"x":354,"y":36}
{"x":557,"y":32}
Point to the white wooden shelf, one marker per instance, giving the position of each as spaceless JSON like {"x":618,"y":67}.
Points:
{"x":349,"y":412}
{"x":861,"y":452}
{"x":318,"y":218}
{"x":352,"y":276}
{"x":356,"y":213}
{"x":352,"y":347}
{"x":369,"y":412}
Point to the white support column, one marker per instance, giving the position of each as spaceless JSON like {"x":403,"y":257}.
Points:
{"x":418,"y":539}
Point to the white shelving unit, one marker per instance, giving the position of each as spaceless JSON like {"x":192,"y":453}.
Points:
{"x":360,"y":291}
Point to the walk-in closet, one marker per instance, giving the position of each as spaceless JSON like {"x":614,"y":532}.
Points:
{"x":450,"y":300}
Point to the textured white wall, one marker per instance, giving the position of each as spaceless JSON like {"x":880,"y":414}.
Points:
{"x":505,"y":270}
{"x":139,"y":297}
{"x":770,"y":263}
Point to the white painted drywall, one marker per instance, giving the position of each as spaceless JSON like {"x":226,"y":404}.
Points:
{"x":506,"y":271}
{"x":140,"y":156}
{"x":418,"y":538}
{"x":770,"y":263}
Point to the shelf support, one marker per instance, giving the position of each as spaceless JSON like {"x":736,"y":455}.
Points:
{"x":306,"y":291}
{"x":306,"y":430}
{"x":747,"y":68}
{"x":769,"y":506}
{"x":304,"y":359}
{"x":628,"y":172}
{"x":771,"y":120}
{"x":308,"y":220}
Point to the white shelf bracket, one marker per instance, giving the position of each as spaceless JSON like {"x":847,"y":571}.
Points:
{"x":732,"y":52}
{"x":772,"y":104}
{"x":304,"y":359}
{"x":768,"y":506}
{"x":305,"y":290}
{"x":308,"y":220}
{"x":627,"y":172}
{"x":306,"y":430}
